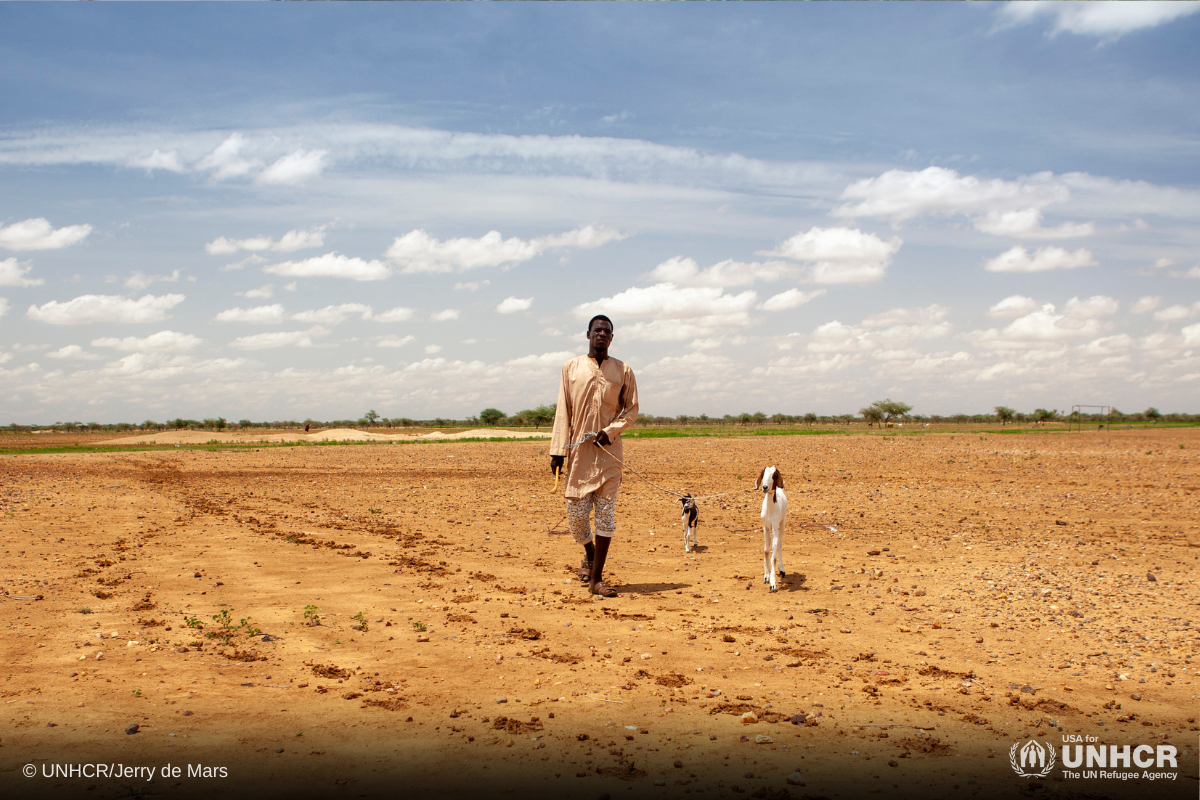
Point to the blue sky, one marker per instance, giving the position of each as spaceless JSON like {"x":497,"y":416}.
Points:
{"x":278,"y":211}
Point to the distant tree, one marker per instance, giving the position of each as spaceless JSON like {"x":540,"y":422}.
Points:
{"x":871,"y":414}
{"x":544,"y":415}
{"x":810,"y":418}
{"x":245,"y":423}
{"x":891,"y":408}
{"x":491,"y":416}
{"x":745,"y":418}
{"x":370,"y":417}
{"x":1004,"y":414}
{"x":1043,"y":415}
{"x":1152,"y":414}
{"x":703,"y":417}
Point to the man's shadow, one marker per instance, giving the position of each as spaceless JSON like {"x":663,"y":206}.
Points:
{"x":650,"y":588}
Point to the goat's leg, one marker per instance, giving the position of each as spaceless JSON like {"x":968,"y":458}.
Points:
{"x":687,"y":548}
{"x":774,"y":548}
{"x":766,"y":553}
{"x":695,"y":530}
{"x":779,"y":547}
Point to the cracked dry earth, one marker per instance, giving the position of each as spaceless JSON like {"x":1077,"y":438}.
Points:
{"x":376,"y":619}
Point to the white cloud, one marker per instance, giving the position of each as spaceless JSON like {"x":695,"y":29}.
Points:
{"x":160,"y":160}
{"x":511,"y":305}
{"x":792,"y":298}
{"x":1091,"y":308}
{"x":900,"y":195}
{"x":587,"y":237}
{"x":839,"y":255}
{"x":161,"y":342}
{"x":249,"y":260}
{"x":1046,"y":326}
{"x":1013,"y":306}
{"x":677,"y":312}
{"x":291,"y":241}
{"x":294,"y":168}
{"x":259,"y":315}
{"x":139,"y":280}
{"x":5,"y":358}
{"x":683,"y":271}
{"x":417,"y":251}
{"x":1018,"y":259}
{"x":1107,"y":21}
{"x":444,"y":316}
{"x":333,"y":315}
{"x":13,"y":274}
{"x":73,"y":352}
{"x":394,"y":341}
{"x":398,"y":314}
{"x":264,"y":292}
{"x":430,"y":349}
{"x":3,"y":306}
{"x":225,"y":161}
{"x":1177,"y":312}
{"x":1194,"y":272}
{"x":1145,"y":304}
{"x":267,"y":341}
{"x":332,"y":265}
{"x":928,"y":315}
{"x":471,"y":286}
{"x":91,"y":308}
{"x":1191,"y":335}
{"x":38,"y":234}
{"x":1026,"y":223}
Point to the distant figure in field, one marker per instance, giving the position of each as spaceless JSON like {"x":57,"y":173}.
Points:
{"x":306,"y":427}
{"x":597,"y":395}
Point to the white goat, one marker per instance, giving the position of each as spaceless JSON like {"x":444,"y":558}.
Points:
{"x":690,"y":518}
{"x":774,"y":518}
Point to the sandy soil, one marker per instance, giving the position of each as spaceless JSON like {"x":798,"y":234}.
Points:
{"x":330,"y":435}
{"x":946,"y":597}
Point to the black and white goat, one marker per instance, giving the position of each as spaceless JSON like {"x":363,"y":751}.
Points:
{"x":774,"y":519}
{"x":690,"y":518}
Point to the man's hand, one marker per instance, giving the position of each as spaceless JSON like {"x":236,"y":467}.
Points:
{"x":556,"y":464}
{"x":602,"y":438}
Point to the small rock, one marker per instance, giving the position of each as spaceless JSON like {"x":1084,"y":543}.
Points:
{"x":187,"y":713}
{"x":678,"y":764}
{"x":795,"y":779}
{"x":978,"y":640}
{"x":770,"y":657}
{"x":799,"y":719}
{"x":51,"y":724}
{"x":728,"y":638}
{"x":893,"y":763}
{"x":100,"y":656}
{"x":748,"y":775}
{"x":749,"y":718}
{"x":744,"y":739}
{"x":660,"y":783}
{"x":196,"y":575}
{"x":131,"y":729}
{"x":872,"y":552}
{"x":1135,"y":696}
{"x":763,"y":739}
{"x":501,"y":699}
{"x":712,"y":737}
{"x":1150,"y":577}
{"x":278,"y":749}
{"x":183,"y":649}
{"x":269,"y":638}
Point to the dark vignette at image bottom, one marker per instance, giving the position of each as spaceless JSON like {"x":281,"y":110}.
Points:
{"x":426,"y":774}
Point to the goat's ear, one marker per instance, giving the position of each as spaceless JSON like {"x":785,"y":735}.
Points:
{"x":758,"y":482}
{"x":778,"y":479}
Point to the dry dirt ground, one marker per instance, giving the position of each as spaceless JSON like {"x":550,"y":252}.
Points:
{"x":947,"y":596}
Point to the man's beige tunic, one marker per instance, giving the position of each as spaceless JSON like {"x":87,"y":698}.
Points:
{"x":593,"y":398}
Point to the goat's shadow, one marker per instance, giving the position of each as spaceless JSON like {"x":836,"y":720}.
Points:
{"x":650,"y":588}
{"x":793,"y":582}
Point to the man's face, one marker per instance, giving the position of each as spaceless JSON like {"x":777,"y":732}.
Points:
{"x":600,"y":335}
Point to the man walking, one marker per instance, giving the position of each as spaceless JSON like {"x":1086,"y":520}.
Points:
{"x":597,"y":395}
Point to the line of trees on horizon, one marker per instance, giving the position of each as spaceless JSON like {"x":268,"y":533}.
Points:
{"x":881,"y":412}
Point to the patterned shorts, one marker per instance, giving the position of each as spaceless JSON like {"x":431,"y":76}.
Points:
{"x":578,"y":511}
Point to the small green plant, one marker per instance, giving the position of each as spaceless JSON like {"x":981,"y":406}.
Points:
{"x":250,"y":630}
{"x":419,"y":626}
{"x":85,"y":610}
{"x":193,"y":622}
{"x":375,"y":510}
{"x":223,"y":619}
{"x":137,"y":692}
{"x":337,"y":641}
{"x":311,"y":618}
{"x":362,"y":622}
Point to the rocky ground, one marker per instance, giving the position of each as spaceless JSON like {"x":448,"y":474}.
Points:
{"x":404,"y":618}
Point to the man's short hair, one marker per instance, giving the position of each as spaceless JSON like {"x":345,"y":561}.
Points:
{"x":599,"y":316}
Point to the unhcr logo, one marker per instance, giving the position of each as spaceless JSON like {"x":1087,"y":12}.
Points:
{"x":1032,"y":760}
